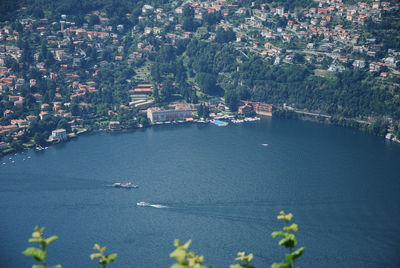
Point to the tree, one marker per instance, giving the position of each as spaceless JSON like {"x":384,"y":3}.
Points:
{"x":93,"y":19}
{"x":232,"y":100}
{"x":203,"y":111}
{"x":63,"y":123}
{"x":155,"y":72}
{"x":223,"y":36}
{"x":167,"y":90}
{"x":195,"y":99}
{"x":207,"y":83}
{"x":75,"y":110}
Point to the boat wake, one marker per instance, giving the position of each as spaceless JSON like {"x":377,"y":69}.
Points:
{"x":158,"y":206}
{"x":146,"y":204}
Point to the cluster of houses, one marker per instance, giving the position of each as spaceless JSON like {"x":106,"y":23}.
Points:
{"x":317,"y":28}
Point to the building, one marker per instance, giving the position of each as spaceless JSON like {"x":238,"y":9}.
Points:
{"x":143,"y":89}
{"x":248,"y":107}
{"x":359,"y":64}
{"x":114,"y":125}
{"x":58,"y":135}
{"x":181,"y":112}
{"x":3,"y":145}
{"x":279,"y":11}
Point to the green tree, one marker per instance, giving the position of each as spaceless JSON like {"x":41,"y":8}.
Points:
{"x":207,"y":82}
{"x":93,"y":19}
{"x":63,"y":123}
{"x":232,"y":100}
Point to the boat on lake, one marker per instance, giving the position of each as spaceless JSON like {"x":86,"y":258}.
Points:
{"x":146,"y":204}
{"x":143,"y":204}
{"x":125,"y":185}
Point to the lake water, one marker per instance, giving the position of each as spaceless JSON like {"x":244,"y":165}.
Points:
{"x":223,"y":189}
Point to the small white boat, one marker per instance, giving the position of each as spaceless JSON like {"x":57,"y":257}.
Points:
{"x":264,"y":144}
{"x":143,"y":204}
{"x":125,"y":185}
{"x":146,"y":204}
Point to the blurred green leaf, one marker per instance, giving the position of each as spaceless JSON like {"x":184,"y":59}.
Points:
{"x":178,"y":265}
{"x":95,"y":255}
{"x":280,"y":265}
{"x":36,"y":234}
{"x":179,"y":254}
{"x":294,"y":255}
{"x":292,"y":228}
{"x":289,"y":241}
{"x":280,"y":233}
{"x":112,"y":257}
{"x":36,"y":253}
{"x":187,"y":244}
{"x":51,"y":239}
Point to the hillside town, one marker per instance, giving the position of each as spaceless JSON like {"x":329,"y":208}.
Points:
{"x":61,"y":77}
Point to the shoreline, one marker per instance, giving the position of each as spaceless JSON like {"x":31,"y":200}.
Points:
{"x":301,"y":116}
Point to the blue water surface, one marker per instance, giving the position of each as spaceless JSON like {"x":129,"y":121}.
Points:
{"x":221,"y":187}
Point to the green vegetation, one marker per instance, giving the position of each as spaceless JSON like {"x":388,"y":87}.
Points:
{"x":288,"y":241}
{"x":40,"y":254}
{"x":103,"y":259}
{"x":184,"y":257}
{"x":84,"y":59}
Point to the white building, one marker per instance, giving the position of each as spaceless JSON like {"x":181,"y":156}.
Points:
{"x":359,"y":64}
{"x":157,"y":114}
{"x":147,"y":9}
{"x":58,"y":135}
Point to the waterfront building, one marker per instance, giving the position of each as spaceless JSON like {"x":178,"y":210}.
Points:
{"x":3,"y":145}
{"x":247,"y":107}
{"x":59,"y":135}
{"x":114,"y":125}
{"x":180,"y":112}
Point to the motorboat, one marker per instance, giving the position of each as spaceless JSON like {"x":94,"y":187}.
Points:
{"x":146,"y":204}
{"x":143,"y":204}
{"x":125,"y":185}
